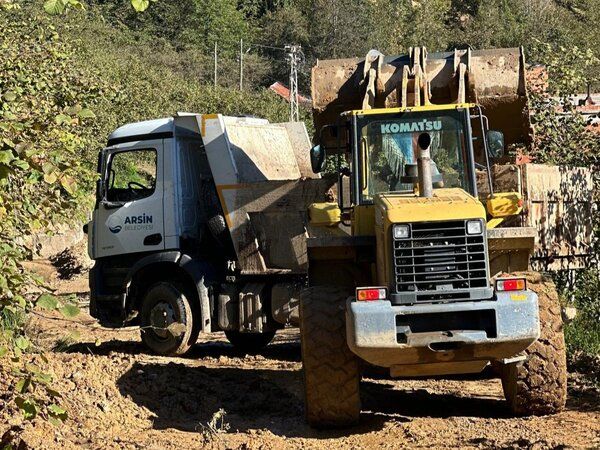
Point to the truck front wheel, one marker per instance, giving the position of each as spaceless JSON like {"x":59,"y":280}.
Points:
{"x":167,"y":321}
{"x":538,"y":385}
{"x":331,"y":370}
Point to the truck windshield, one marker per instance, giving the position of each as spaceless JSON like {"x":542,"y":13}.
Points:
{"x":389,"y":142}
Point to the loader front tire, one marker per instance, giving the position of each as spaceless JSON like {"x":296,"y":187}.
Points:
{"x":538,"y":385}
{"x":331,"y":370}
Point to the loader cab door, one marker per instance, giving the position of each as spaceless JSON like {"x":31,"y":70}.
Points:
{"x":129,"y":214}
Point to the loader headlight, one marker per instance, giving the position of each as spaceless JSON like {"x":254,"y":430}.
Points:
{"x":474,"y":227}
{"x":401,"y":231}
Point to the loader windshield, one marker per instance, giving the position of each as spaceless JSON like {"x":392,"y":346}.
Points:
{"x":389,"y":141}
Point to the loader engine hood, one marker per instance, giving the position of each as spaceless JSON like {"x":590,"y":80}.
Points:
{"x":429,"y":261}
{"x":446,"y":204}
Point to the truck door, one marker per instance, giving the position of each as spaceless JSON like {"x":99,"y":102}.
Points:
{"x":129,"y":216}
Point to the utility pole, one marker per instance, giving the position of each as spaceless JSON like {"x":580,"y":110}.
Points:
{"x":215,"y":80}
{"x":241,"y":64}
{"x":295,"y":57}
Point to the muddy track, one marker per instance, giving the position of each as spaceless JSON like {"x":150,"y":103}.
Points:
{"x":121,"y":397}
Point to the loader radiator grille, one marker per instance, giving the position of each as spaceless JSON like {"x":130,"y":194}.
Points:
{"x":439,"y":257}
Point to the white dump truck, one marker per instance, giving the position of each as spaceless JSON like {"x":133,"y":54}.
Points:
{"x":199,"y":225}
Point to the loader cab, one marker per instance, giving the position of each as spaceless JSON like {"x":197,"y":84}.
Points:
{"x":384,"y":146}
{"x":377,"y":149}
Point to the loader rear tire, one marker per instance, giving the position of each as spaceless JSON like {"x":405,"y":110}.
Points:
{"x":331,"y":370}
{"x":538,"y":385}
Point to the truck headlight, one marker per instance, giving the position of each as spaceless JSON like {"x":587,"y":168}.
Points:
{"x":474,"y":227}
{"x":401,"y":231}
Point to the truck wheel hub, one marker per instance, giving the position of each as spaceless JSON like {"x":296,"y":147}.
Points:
{"x":161,"y":316}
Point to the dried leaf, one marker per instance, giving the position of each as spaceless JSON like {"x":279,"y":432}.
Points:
{"x":176,"y":329}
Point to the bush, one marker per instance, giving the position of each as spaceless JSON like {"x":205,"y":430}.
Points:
{"x":583,"y":334}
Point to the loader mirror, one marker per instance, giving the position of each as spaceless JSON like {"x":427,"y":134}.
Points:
{"x":495,"y":143}
{"x":317,"y":158}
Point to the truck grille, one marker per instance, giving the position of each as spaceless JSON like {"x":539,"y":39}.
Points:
{"x":440,"y":257}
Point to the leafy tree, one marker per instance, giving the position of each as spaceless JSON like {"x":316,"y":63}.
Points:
{"x":286,"y":25}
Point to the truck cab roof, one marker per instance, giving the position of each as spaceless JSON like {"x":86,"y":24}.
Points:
{"x":145,"y":130}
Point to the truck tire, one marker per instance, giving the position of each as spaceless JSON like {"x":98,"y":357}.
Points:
{"x":538,"y":385}
{"x":249,"y":342}
{"x":331,"y":370}
{"x":163,"y":304}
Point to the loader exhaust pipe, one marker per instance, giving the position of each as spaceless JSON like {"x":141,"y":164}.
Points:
{"x":424,"y":166}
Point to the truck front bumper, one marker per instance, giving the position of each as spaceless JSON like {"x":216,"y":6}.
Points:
{"x":428,"y":339}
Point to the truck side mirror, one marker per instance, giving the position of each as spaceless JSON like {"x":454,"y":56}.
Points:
{"x":495,"y":143}
{"x":317,"y":158}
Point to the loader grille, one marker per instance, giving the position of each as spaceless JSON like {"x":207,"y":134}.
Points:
{"x":439,"y":258}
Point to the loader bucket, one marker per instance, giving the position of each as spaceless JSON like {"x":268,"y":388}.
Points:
{"x":494,"y":79}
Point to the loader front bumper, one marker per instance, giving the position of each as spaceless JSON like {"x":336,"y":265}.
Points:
{"x":436,"y":339}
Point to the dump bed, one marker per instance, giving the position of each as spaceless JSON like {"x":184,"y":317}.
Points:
{"x":265,"y":185}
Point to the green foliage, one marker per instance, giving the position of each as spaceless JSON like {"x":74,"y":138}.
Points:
{"x":34,"y":395}
{"x":191,"y":25}
{"x":569,"y":69}
{"x":140,"y":5}
{"x":583,"y":334}
{"x":45,"y":102}
{"x":55,"y":7}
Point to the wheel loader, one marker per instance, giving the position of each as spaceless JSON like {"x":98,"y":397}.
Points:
{"x":423,"y":272}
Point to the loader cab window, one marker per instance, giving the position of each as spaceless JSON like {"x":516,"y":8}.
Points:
{"x":131,"y":175}
{"x":389,"y":142}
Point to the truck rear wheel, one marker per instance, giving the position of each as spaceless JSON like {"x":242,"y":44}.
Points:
{"x":538,"y":385}
{"x":249,"y":342}
{"x":331,"y":370}
{"x":167,"y":321}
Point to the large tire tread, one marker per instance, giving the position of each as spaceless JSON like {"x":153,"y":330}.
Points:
{"x":538,"y":385}
{"x":331,"y":370}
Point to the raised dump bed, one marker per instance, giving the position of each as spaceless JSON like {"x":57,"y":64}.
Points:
{"x":265,"y":186}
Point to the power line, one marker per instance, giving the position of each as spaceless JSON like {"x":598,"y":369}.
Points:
{"x":295,"y":57}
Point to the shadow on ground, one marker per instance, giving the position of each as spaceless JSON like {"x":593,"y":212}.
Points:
{"x":185,"y":398}
{"x":264,"y":394}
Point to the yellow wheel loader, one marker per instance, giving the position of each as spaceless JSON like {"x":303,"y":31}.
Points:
{"x":415,"y":270}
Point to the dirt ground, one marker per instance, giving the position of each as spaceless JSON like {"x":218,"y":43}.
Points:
{"x":120,"y":397}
